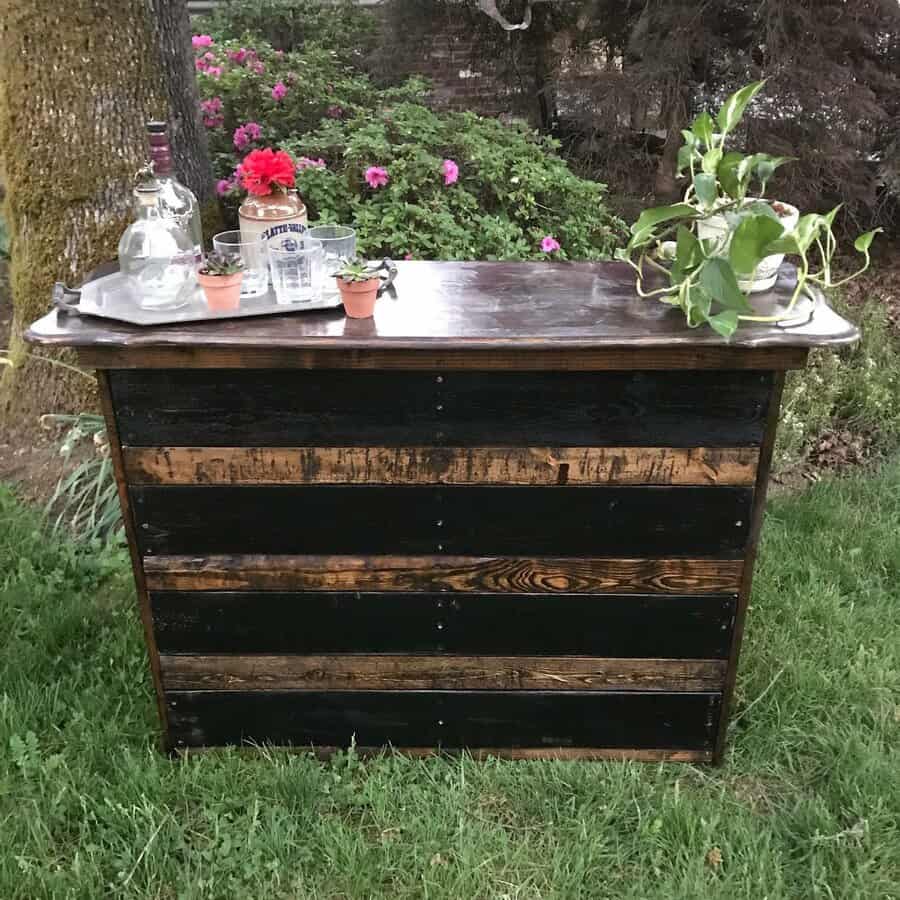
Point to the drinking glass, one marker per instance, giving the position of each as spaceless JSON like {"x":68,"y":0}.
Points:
{"x":254,"y":256}
{"x":339,"y":243}
{"x":297,"y":269}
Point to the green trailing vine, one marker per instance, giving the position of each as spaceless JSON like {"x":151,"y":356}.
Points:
{"x":702,"y":275}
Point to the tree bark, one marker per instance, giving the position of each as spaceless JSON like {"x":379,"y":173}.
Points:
{"x":78,"y":81}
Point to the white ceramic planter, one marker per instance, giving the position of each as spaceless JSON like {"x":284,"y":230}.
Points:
{"x":766,"y":274}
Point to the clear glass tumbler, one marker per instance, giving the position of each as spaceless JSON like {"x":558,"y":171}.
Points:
{"x":297,"y":269}
{"x":254,"y":255}
{"x":339,"y":243}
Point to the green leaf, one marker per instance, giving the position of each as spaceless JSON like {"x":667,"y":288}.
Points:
{"x":807,"y":230}
{"x":733,"y":108}
{"x":725,"y":323}
{"x":719,"y":281}
{"x":688,"y":254}
{"x":690,"y":139}
{"x":830,"y":217}
{"x":764,"y":166}
{"x":727,"y":174}
{"x":657,"y":214}
{"x":864,"y":241}
{"x":711,"y":160}
{"x":750,"y":241}
{"x":703,"y":128}
{"x":705,"y":188}
{"x":685,"y":154}
{"x":687,"y":247}
{"x":697,"y":306}
{"x":787,"y":243}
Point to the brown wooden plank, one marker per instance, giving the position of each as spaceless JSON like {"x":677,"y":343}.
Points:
{"x":443,"y":573}
{"x":756,"y":521}
{"x":396,"y":672}
{"x":137,"y":569}
{"x":441,"y":465}
{"x":480,"y":754}
{"x":602,"y":360}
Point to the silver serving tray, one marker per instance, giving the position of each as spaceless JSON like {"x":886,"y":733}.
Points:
{"x":113,"y":297}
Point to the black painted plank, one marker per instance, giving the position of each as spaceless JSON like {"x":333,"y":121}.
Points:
{"x":450,"y":719}
{"x":246,"y":408}
{"x":632,"y":521}
{"x":637,"y":626}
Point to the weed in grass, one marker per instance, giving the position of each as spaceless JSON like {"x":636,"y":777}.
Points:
{"x":806,"y":806}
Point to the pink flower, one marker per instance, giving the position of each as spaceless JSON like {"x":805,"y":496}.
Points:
{"x":334,"y":112}
{"x":223,"y":186}
{"x":201,"y":40}
{"x":214,"y":72}
{"x":306,"y":163}
{"x":209,"y":57}
{"x":212,"y":112}
{"x":257,"y":67}
{"x":201,"y":64}
{"x":244,"y":135}
{"x":279,"y":91}
{"x":376,"y":176}
{"x":408,"y":256}
{"x":451,"y":171}
{"x":550,"y":244}
{"x":238,"y":56}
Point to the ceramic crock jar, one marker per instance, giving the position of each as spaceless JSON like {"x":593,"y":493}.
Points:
{"x":276,"y":216}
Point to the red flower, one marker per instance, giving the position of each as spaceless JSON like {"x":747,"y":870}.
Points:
{"x":263,"y":171}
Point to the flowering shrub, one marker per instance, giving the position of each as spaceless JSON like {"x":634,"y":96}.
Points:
{"x":413,"y":182}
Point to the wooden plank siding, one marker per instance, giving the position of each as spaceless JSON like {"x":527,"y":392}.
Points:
{"x":480,"y":624}
{"x":650,"y":720}
{"x":436,"y":465}
{"x":588,"y":575}
{"x":384,"y":672}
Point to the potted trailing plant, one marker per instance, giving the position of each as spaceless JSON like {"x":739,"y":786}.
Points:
{"x":358,"y":284}
{"x":726,"y":239}
{"x":220,"y":277}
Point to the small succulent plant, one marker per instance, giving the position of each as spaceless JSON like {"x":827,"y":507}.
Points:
{"x":355,"y":270}
{"x":222,"y":264}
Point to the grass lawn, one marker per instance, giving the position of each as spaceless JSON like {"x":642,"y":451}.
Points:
{"x":807,"y":805}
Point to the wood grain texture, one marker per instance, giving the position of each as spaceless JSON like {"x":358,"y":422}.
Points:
{"x":621,"y":359}
{"x":756,"y":521}
{"x":441,"y":465}
{"x":443,"y":573}
{"x":630,"y":521}
{"x":518,"y":306}
{"x":612,"y":625}
{"x":447,"y":719}
{"x":136,"y":567}
{"x":481,"y":754}
{"x":253,"y":408}
{"x":396,"y":673}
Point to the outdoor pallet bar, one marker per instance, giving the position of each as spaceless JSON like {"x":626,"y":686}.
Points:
{"x":515,"y":513}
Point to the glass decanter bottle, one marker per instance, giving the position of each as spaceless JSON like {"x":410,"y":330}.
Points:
{"x":156,"y":252}
{"x":174,"y":198}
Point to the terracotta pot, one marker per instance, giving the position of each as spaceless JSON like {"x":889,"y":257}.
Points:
{"x":359,"y":297}
{"x":223,"y":292}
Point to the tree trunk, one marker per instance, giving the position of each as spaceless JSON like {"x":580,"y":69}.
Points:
{"x":190,"y":153}
{"x":666,"y":188}
{"x":73,"y":104}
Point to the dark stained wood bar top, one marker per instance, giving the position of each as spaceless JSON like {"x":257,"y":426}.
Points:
{"x":472,"y":306}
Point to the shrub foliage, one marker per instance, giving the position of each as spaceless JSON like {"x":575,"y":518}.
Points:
{"x":511,"y":190}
